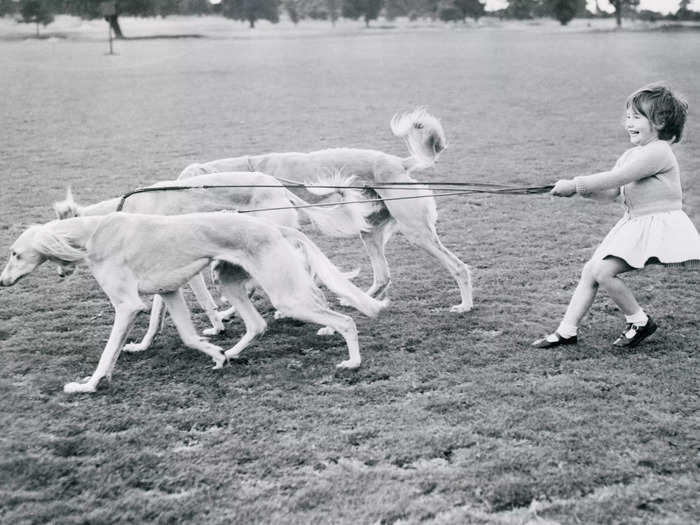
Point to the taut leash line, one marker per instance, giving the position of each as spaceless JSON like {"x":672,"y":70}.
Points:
{"x":495,"y":189}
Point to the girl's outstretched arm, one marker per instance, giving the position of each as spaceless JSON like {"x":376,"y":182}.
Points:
{"x":604,"y":195}
{"x":649,"y":160}
{"x":567,"y":188}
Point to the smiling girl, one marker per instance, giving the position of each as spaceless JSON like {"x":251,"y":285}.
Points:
{"x":654,"y":229}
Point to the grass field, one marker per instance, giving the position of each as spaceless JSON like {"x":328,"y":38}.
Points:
{"x":451,"y":418}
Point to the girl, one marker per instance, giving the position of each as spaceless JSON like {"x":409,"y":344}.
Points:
{"x":654,"y":229}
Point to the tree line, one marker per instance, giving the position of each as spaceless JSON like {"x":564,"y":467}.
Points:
{"x":41,"y":12}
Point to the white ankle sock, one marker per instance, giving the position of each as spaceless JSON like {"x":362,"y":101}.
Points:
{"x":640,"y":318}
{"x":567,"y":329}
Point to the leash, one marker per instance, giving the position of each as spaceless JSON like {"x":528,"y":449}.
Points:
{"x":493,"y":189}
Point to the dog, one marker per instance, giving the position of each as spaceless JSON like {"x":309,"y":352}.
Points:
{"x":415,"y":218}
{"x":133,"y":254}
{"x":249,"y":191}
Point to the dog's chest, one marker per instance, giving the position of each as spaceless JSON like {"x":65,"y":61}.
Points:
{"x":161,"y":279}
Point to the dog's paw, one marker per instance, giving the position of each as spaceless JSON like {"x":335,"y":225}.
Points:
{"x":462,"y":308}
{"x":232,"y":353}
{"x":227,"y":314}
{"x":220,"y":360}
{"x":75,"y":388}
{"x":326,"y":330}
{"x":349,"y":364}
{"x":135,"y":347}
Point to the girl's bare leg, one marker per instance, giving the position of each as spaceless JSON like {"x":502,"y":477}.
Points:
{"x":600,"y":273}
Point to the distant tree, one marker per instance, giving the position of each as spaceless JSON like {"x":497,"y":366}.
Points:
{"x":449,"y":13}
{"x":333,"y":12}
{"x":621,"y":6}
{"x":251,"y":10}
{"x":195,"y":7}
{"x":293,"y":9}
{"x":368,"y":9}
{"x":470,"y":8}
{"x":8,"y":7}
{"x":394,"y":9}
{"x":683,"y":6}
{"x":521,"y":9}
{"x":168,"y":7}
{"x":563,"y":10}
{"x":90,"y":9}
{"x":410,"y":8}
{"x":684,"y":13}
{"x":36,"y":12}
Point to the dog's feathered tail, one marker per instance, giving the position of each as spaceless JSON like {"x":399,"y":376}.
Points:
{"x":423,"y":135}
{"x":343,"y":220}
{"x":332,"y":277}
{"x":66,"y":208}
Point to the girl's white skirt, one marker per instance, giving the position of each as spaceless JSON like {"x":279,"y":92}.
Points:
{"x":659,"y":238}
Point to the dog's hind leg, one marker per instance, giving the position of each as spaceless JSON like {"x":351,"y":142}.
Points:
{"x":154,"y":322}
{"x":375,"y":240}
{"x":428,"y":239}
{"x":206,"y":301}
{"x":341,"y":323}
{"x":306,"y":307}
{"x":235,"y":291}
{"x":180,"y":314}
{"x":417,"y":222}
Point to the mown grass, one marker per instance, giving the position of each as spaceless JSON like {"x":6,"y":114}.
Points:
{"x":452,"y":418}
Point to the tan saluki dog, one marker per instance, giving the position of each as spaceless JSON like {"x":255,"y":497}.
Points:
{"x":248,"y":191}
{"x":132,"y":254}
{"x":415,"y":218}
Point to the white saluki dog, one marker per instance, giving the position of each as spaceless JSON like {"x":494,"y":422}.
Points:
{"x":249,"y":191}
{"x":132,"y":254}
{"x":415,"y":218}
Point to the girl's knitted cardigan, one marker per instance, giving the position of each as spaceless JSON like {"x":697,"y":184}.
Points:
{"x":650,"y":178}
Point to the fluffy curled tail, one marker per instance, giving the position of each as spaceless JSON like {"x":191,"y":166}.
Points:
{"x":67,"y":208}
{"x":343,"y":220}
{"x":423,"y":135}
{"x":332,"y":277}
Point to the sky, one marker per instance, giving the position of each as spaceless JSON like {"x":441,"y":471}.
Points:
{"x":660,"y":6}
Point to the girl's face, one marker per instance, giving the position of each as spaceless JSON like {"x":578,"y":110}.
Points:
{"x":638,"y":127}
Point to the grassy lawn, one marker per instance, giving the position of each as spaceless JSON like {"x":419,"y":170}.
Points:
{"x":452,"y":418}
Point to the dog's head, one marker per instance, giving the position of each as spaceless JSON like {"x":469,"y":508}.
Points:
{"x":24,"y":258}
{"x":37,"y":244}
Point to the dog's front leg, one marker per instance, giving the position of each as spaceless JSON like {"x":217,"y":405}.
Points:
{"x":124,"y":318}
{"x":156,"y":319}
{"x":206,"y":301}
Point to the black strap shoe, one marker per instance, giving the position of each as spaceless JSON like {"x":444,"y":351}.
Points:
{"x":554,"y":340}
{"x":635,"y":334}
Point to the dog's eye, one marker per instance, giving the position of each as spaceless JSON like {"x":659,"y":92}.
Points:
{"x":13,"y":253}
